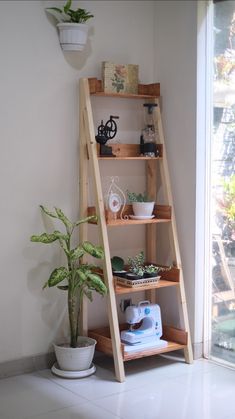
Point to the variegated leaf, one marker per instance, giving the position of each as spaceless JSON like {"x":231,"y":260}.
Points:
{"x":48,"y":212}
{"x":63,"y":287}
{"x":57,"y":276}
{"x":44,"y":238}
{"x":95,"y":251}
{"x":97,"y":284}
{"x":86,"y":220}
{"x":77,"y":253}
{"x":88,"y":294}
{"x":68,"y":224}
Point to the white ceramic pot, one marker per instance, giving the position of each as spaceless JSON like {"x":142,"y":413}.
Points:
{"x":143,"y":209}
{"x":73,"y":36}
{"x":75,"y":359}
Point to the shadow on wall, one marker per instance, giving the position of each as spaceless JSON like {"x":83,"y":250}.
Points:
{"x":76,"y":59}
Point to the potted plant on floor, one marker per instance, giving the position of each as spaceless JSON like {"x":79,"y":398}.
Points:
{"x":142,"y":205}
{"x":77,"y":279}
{"x":72,"y":26}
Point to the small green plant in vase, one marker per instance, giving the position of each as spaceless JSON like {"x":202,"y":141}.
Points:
{"x":142,"y":205}
{"x":75,"y":277}
{"x":72,"y":25}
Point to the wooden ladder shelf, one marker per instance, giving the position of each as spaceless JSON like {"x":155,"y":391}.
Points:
{"x":108,"y":338}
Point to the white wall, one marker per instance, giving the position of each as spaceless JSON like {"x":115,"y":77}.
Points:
{"x":39,"y":142}
{"x":175,"y":68}
{"x":39,"y":149}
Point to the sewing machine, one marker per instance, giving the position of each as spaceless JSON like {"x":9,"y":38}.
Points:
{"x":150,"y":331}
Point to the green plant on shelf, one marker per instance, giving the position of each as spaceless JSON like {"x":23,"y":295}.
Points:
{"x":137,"y":197}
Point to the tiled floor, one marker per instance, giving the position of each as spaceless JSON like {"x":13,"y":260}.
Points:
{"x":155,"y":388}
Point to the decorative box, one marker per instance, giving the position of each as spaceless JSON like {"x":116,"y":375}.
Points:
{"x":120,"y":78}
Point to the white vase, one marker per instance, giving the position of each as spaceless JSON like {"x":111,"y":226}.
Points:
{"x":73,"y":36}
{"x":75,"y":359}
{"x":143,"y":209}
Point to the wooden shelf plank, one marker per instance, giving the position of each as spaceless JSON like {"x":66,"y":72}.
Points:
{"x":171,"y":346}
{"x":129,"y":152}
{"x":121,"y":289}
{"x":118,"y":223}
{"x":176,"y":339}
{"x":129,"y":158}
{"x":162,"y":215}
{"x":125,"y":95}
{"x":145,"y":91}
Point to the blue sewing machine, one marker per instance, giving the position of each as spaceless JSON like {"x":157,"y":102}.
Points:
{"x":148,"y":334}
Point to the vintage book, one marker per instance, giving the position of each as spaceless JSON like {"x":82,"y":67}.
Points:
{"x":120,"y":78}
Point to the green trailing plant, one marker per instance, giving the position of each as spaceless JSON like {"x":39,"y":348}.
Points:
{"x":77,"y":278}
{"x":137,"y":197}
{"x":66,"y":14}
{"x":153,"y":269}
{"x":136,"y":264}
{"x":138,"y":267}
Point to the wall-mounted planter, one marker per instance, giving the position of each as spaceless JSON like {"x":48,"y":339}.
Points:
{"x":73,"y":36}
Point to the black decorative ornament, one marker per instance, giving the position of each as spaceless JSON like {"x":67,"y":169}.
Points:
{"x":105,"y":133}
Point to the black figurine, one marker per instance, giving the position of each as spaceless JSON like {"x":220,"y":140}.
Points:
{"x":105,"y":133}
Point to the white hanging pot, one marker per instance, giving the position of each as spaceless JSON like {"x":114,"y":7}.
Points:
{"x":76,"y":359}
{"x":73,"y":36}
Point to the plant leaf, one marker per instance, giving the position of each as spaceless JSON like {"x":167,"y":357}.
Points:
{"x":63,"y":287}
{"x":85,"y":220}
{"x":68,"y":224}
{"x":58,"y":275}
{"x":97,"y":284}
{"x":67,"y":6}
{"x":95,"y":251}
{"x":44,"y":238}
{"x":82,"y":274}
{"x":48,"y":238}
{"x":48,"y":212}
{"x":88,"y":294}
{"x":77,"y":253}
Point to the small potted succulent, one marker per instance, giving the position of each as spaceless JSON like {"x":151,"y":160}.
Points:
{"x":142,"y":205}
{"x":136,"y":267}
{"x":72,"y":26}
{"x":77,"y":279}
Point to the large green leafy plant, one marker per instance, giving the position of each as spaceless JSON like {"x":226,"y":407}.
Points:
{"x":66,"y":14}
{"x":77,"y":278}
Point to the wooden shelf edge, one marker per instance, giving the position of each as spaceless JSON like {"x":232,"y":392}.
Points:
{"x":176,"y":338}
{"x":145,"y":91}
{"x":129,"y":152}
{"x":129,"y":158}
{"x":122,"y":289}
{"x":171,"y":346}
{"x":162,"y":215}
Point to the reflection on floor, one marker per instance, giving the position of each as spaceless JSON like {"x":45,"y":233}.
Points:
{"x":155,"y":388}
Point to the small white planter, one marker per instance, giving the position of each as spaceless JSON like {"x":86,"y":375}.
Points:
{"x":143,"y":209}
{"x":75,"y":359}
{"x":73,"y":36}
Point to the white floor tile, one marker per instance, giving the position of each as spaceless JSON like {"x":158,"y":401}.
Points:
{"x":82,"y":411}
{"x":170,"y":400}
{"x":30,"y":394}
{"x":155,"y":387}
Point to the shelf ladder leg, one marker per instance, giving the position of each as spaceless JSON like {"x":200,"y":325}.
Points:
{"x":173,"y":237}
{"x":87,"y":128}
